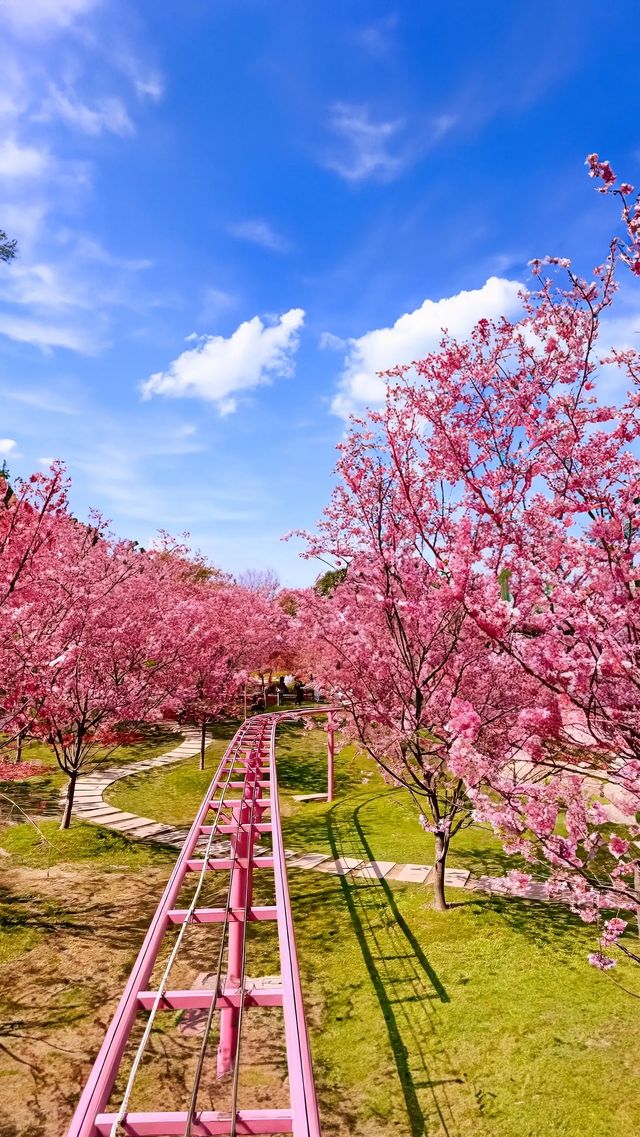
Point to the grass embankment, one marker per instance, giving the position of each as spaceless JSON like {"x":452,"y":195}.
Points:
{"x":41,"y":795}
{"x":484,"y":1020}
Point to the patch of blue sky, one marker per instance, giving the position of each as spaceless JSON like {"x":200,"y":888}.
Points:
{"x":231,"y":215}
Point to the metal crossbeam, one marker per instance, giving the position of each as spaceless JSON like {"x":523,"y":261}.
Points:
{"x":248,"y":770}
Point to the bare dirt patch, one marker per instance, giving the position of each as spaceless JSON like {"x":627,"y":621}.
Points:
{"x":72,"y":935}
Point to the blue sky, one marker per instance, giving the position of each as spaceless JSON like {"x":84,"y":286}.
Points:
{"x":231,"y":213}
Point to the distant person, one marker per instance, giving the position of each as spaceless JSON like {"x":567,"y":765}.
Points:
{"x":299,"y":691}
{"x":257,"y":704}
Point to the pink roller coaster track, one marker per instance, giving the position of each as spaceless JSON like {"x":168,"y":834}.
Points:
{"x":240,"y":805}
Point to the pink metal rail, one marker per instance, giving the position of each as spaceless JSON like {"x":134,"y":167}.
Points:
{"x":248,"y":770}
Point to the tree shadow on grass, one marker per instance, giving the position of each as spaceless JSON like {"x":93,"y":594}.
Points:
{"x":540,"y":922}
{"x":406,"y":986}
{"x":38,"y":797}
{"x":302,"y":762}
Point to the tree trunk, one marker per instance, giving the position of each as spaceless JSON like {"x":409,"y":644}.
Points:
{"x":441,"y":849}
{"x":636,"y":886}
{"x":19,"y":741}
{"x":203,"y":744}
{"x":68,"y":805}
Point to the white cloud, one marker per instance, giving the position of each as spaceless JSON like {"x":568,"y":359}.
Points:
{"x":43,"y":399}
{"x":7,"y":445}
{"x":23,"y":220}
{"x":47,"y":335}
{"x":379,"y":149}
{"x":45,"y":286}
{"x":261,"y":233}
{"x":68,"y":302}
{"x":413,"y":336}
{"x":329,"y":342}
{"x":18,"y":161}
{"x":35,"y":17}
{"x":366,"y":150}
{"x":218,"y":367}
{"x":149,"y":86}
{"x":378,"y":38}
{"x":108,"y":114}
{"x":147,"y":83}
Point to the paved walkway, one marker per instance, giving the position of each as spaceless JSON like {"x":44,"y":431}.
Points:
{"x":89,"y":805}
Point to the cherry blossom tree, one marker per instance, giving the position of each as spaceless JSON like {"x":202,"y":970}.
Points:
{"x":520,"y":486}
{"x":497,"y":472}
{"x":97,"y":645}
{"x":392,"y":639}
{"x":31,"y":514}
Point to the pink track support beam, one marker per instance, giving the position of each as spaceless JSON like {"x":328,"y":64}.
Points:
{"x":248,"y":770}
{"x":331,"y":744}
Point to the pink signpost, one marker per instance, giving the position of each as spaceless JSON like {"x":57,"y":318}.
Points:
{"x":243,"y":792}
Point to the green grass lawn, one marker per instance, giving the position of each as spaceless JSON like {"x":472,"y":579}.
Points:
{"x":41,"y":794}
{"x":174,"y":794}
{"x":483,"y":1021}
{"x":367,"y":819}
{"x":81,"y":842}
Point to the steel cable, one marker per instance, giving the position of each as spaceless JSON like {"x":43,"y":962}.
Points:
{"x":232,"y":759}
{"x":216,"y":992}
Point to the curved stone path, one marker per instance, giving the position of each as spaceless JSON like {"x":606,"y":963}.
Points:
{"x":89,"y":805}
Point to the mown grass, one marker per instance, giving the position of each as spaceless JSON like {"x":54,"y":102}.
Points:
{"x":50,"y":845}
{"x":483,"y":1021}
{"x":41,"y":794}
{"x":175,"y":794}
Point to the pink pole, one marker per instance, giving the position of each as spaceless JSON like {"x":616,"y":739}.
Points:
{"x":331,"y":743}
{"x":239,"y":885}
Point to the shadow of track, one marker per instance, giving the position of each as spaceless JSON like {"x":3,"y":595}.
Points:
{"x":407,"y":988}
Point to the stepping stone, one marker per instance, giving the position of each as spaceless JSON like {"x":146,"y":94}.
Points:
{"x":310,"y":797}
{"x":341,"y":866}
{"x":410,"y":874}
{"x":102,"y":817}
{"x":374,"y":870}
{"x":456,"y":878}
{"x":101,"y":808}
{"x":125,"y":825}
{"x":308,"y":860}
{"x":151,"y":829}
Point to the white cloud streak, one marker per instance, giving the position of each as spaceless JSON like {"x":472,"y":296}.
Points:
{"x":107,"y":115}
{"x":413,"y":336}
{"x":259,"y":232}
{"x":19,"y":162}
{"x":218,"y":368}
{"x":34,"y":18}
{"x":366,"y":146}
{"x":47,"y":335}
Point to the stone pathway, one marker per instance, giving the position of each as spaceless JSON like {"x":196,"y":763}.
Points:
{"x":89,"y":805}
